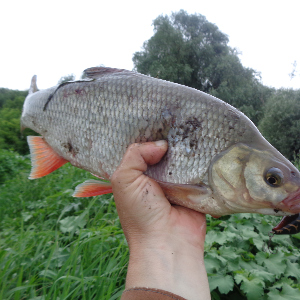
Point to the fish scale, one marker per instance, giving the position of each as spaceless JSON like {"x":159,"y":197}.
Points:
{"x":217,"y":161}
{"x":143,"y":115}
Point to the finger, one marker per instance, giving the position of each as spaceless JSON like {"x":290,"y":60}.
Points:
{"x":135,"y":161}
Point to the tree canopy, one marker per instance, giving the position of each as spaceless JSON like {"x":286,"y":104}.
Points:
{"x":190,"y":50}
{"x":281,"y":121}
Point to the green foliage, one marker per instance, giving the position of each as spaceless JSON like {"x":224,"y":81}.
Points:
{"x":11,"y":95}
{"x":189,"y":50}
{"x":11,"y":164}
{"x":243,"y":264}
{"x":11,"y":103}
{"x":53,"y":246}
{"x":10,"y":131}
{"x":281,"y":122}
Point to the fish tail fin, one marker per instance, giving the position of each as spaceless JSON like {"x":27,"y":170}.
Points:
{"x":91,"y":188}
{"x":43,"y":158}
{"x":33,"y":87}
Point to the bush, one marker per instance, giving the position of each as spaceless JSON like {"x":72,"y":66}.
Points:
{"x":11,"y":164}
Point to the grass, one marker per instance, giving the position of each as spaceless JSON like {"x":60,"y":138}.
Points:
{"x":53,"y":246}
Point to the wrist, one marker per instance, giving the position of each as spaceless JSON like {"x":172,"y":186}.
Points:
{"x":173,"y":267}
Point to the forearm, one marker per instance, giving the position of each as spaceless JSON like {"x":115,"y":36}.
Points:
{"x":175,"y":269}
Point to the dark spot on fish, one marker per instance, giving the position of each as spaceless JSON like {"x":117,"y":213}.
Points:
{"x":276,"y":210}
{"x":192,"y":144}
{"x":160,"y":130}
{"x":170,"y":173}
{"x":79,"y":91}
{"x":194,"y":123}
{"x":147,"y":191}
{"x":70,"y":148}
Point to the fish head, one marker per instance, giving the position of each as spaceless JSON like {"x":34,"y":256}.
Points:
{"x":248,"y":179}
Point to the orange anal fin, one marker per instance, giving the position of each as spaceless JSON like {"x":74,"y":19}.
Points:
{"x":43,"y":158}
{"x":92,"y":188}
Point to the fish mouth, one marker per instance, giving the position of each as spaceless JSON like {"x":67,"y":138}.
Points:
{"x":292,"y":203}
{"x":285,"y":221}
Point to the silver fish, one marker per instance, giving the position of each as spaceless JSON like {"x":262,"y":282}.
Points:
{"x":217,"y":161}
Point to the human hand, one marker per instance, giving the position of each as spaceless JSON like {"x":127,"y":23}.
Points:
{"x":166,"y":242}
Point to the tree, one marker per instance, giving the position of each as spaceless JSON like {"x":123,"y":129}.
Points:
{"x":189,"y":50}
{"x":11,"y":95}
{"x":10,"y":114}
{"x":66,"y":78}
{"x":281,"y":122}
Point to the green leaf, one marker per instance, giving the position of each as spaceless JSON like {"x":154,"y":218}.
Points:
{"x":279,"y":284}
{"x":215,"y":237}
{"x":26,"y":216}
{"x":70,"y":224}
{"x":266,"y":276}
{"x":212,"y":264}
{"x":251,"y":285}
{"x":223,"y":283}
{"x":292,"y":269}
{"x":228,"y":252}
{"x":261,"y":257}
{"x":287,"y":293}
{"x":276,"y":263}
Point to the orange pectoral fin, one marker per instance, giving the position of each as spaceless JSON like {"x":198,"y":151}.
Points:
{"x":92,"y":188}
{"x":43,"y":158}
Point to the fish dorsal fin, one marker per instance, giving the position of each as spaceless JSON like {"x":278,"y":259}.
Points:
{"x":97,"y":72}
{"x":33,"y":87}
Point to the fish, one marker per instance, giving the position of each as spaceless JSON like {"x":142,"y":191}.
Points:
{"x":217,"y":161}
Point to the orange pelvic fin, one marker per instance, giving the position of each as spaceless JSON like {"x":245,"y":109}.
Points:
{"x":43,"y":158}
{"x":92,"y":188}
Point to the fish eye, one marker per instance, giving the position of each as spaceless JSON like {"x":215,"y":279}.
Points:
{"x":274,"y":177}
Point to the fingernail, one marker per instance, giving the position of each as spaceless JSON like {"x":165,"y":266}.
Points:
{"x":161,"y":143}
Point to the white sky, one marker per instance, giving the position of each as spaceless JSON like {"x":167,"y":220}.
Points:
{"x":56,"y":38}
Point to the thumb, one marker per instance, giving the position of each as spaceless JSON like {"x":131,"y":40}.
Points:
{"x":135,"y":161}
{"x":133,"y":191}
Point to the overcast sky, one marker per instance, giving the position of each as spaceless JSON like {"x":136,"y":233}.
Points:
{"x":56,"y":38}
